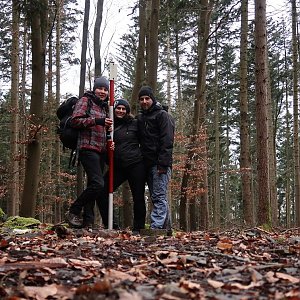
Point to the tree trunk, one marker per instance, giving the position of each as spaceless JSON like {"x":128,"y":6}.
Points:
{"x":296,"y":114}
{"x":82,"y":80}
{"x":272,"y":154}
{"x":13,"y":203}
{"x":244,"y":117}
{"x":153,"y":45}
{"x":97,"y":44}
{"x":56,"y":160}
{"x":261,"y":113}
{"x":199,"y":119}
{"x":139,"y":64}
{"x":38,"y":27}
{"x":217,"y":196}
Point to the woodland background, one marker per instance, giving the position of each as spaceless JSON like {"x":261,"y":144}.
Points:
{"x":228,"y":72}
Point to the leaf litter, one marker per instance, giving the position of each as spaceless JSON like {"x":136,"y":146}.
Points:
{"x":99,"y":264}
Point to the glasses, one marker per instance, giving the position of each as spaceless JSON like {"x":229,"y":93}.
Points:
{"x":145,"y":98}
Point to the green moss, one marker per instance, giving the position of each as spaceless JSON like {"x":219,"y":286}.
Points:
{"x":21,"y":222}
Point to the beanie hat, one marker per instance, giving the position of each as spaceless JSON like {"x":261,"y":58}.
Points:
{"x":147,"y":91}
{"x":101,"y":82}
{"x":122,"y":102}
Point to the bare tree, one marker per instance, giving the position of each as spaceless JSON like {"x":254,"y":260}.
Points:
{"x":296,"y":113}
{"x":261,"y":112}
{"x":13,"y":204}
{"x":153,"y":45}
{"x":38,"y":21}
{"x":199,"y":120}
{"x":244,"y":116}
{"x":97,"y":46}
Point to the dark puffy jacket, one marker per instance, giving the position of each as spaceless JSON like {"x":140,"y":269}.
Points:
{"x":87,"y":109}
{"x":127,"y":150}
{"x":156,"y":132}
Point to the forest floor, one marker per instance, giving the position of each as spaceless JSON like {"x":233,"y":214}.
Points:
{"x":60,"y":263}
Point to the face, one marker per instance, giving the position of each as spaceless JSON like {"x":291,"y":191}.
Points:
{"x":120,"y":111}
{"x":145,"y":102}
{"x":101,"y":92}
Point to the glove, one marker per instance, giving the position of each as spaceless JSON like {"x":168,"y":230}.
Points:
{"x":100,"y":121}
{"x":162,"y":170}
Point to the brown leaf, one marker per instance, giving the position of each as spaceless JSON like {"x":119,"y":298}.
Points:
{"x":224,"y":245}
{"x":215,"y":284}
{"x":119,"y":275}
{"x":287,"y":277}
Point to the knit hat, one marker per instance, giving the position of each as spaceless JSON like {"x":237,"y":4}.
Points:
{"x":122,"y":102}
{"x":101,"y":82}
{"x":147,"y":91}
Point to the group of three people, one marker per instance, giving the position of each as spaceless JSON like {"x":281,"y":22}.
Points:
{"x":143,"y":149}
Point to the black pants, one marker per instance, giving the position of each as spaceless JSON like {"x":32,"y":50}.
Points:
{"x":93,"y":164}
{"x":135,"y":174}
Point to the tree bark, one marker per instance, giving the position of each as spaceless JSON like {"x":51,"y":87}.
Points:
{"x":261,"y":113}
{"x":245,"y":160}
{"x":140,"y":59}
{"x":153,"y":45}
{"x":13,"y":203}
{"x":295,"y":114}
{"x":38,"y":27}
{"x":97,"y":43}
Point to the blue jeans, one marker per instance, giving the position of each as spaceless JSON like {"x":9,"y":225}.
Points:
{"x":158,"y":187}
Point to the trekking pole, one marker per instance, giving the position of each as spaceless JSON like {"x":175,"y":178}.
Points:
{"x":112,"y":78}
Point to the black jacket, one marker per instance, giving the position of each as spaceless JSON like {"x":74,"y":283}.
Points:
{"x":127,"y":150}
{"x":156,"y":132}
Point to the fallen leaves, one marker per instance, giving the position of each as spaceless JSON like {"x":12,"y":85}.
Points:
{"x":67,"y":264}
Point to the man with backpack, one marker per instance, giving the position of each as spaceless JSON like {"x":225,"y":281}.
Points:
{"x":90,"y":117}
{"x":156,"y":133}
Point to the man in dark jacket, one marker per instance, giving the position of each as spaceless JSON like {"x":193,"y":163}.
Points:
{"x":90,"y":116}
{"x":156,"y":131}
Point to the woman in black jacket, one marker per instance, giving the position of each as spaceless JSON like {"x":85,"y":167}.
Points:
{"x":128,"y":165}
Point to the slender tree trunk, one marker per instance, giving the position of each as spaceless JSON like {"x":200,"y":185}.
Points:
{"x":199,"y":119}
{"x":97,"y":45}
{"x":153,"y":44}
{"x":217,"y":197}
{"x":13,"y":203}
{"x":139,"y":64}
{"x":272,"y":154}
{"x":38,"y":27}
{"x":296,"y":114}
{"x":56,"y":160}
{"x":23,"y":119}
{"x":244,"y":116}
{"x":261,"y":113}
{"x":82,"y":80}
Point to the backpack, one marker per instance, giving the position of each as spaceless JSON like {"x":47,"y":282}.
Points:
{"x":67,"y":135}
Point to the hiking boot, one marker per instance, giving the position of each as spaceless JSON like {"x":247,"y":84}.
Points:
{"x":73,"y":220}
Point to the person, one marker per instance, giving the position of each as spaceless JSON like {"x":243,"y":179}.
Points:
{"x":128,"y":165}
{"x":90,"y":115}
{"x":156,"y":131}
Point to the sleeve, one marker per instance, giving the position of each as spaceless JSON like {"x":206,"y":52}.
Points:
{"x":166,"y":140}
{"x":80,"y":117}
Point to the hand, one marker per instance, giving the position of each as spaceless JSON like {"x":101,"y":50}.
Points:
{"x":112,"y":146}
{"x":108,"y":122}
{"x":162,"y":170}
